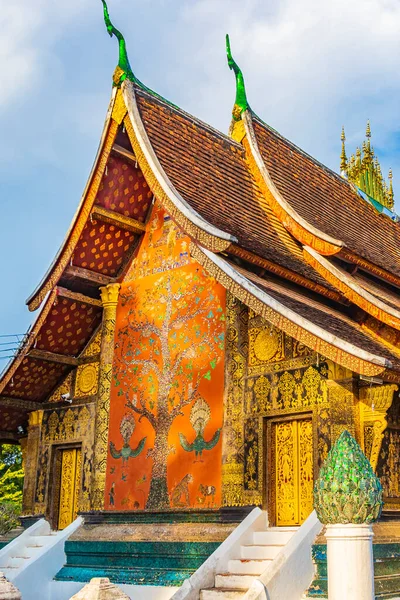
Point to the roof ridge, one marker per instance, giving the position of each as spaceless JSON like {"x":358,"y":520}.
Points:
{"x":207,"y":126}
{"x":303,"y":152}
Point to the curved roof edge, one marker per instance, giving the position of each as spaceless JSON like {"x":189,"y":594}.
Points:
{"x":65,"y":251}
{"x":325,"y":343}
{"x":352,"y":290}
{"x":193,"y":223}
{"x":13,"y":365}
{"x":303,"y":231}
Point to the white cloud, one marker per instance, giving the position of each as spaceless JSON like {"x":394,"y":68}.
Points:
{"x":309,"y":66}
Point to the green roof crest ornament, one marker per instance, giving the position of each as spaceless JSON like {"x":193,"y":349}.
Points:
{"x":347,"y":490}
{"x":241,"y":103}
{"x":123,"y":71}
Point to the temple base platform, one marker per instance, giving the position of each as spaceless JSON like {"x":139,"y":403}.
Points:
{"x":142,"y":548}
{"x":386,"y":550}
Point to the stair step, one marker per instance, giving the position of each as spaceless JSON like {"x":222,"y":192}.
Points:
{"x":272,"y":537}
{"x":248,"y":567}
{"x":259,"y":551}
{"x":389,"y":584}
{"x":220,"y":594}
{"x":231,"y":581}
{"x":294,"y":528}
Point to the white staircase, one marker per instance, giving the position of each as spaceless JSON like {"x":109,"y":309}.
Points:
{"x":252,"y":561}
{"x":32,"y":559}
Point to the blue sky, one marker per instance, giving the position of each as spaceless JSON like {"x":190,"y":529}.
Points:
{"x":310,"y":66}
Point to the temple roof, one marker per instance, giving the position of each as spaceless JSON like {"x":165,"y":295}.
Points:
{"x":209,"y":170}
{"x":285,"y":234}
{"x":327,"y":201}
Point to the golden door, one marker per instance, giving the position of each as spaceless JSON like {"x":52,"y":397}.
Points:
{"x":71,"y":462}
{"x":293,"y":471}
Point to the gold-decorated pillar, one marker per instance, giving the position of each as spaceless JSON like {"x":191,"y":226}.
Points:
{"x":235,"y":373}
{"x":109,"y":299}
{"x":374,"y":405}
{"x":31,"y":461}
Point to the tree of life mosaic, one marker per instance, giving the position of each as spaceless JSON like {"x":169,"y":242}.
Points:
{"x":166,"y":403}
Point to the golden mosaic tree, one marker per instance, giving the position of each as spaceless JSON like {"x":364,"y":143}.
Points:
{"x":172,"y":338}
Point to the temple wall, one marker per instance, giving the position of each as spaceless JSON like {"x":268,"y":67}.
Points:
{"x":270,"y":376}
{"x":166,"y":406}
{"x":61,"y":426}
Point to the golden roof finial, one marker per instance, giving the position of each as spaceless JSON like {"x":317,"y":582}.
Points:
{"x":368,"y":130}
{"x":343,"y":157}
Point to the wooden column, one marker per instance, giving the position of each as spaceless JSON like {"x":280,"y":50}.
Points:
{"x":109,"y":298}
{"x":31,"y":461}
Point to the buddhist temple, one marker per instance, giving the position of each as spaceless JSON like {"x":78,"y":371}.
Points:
{"x":222,"y":308}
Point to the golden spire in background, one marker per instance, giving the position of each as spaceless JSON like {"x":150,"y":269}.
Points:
{"x":343,"y":157}
{"x":364,"y":170}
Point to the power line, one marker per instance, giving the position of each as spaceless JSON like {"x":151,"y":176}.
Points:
{"x":15,"y":335}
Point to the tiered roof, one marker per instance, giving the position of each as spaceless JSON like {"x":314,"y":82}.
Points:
{"x":289,"y":237}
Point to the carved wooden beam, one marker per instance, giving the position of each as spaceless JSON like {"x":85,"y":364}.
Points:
{"x":92,"y":276}
{"x":124,"y":152}
{"x":114,"y":218}
{"x":18,"y":403}
{"x":53,"y":357}
{"x":64,"y":293}
{"x":8,"y":435}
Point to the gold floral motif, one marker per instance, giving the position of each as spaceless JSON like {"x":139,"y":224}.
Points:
{"x":266,"y":345}
{"x":86,"y":380}
{"x":312,"y":387}
{"x":287,"y":386}
{"x":261,"y":390}
{"x":93,"y":348}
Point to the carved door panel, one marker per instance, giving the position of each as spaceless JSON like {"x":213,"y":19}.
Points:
{"x":293,"y":453}
{"x":71,"y":467}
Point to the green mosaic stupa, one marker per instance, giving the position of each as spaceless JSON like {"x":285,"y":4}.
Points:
{"x":347,"y":490}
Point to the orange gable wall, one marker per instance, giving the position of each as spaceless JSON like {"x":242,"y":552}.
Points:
{"x":168,"y":378}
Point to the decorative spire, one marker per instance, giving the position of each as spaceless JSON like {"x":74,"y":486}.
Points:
{"x":365,"y":172}
{"x":123,"y":71}
{"x":343,"y":157}
{"x":347,"y":490}
{"x":241,"y":103}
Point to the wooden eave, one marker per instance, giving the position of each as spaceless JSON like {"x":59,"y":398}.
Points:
{"x":349,"y":287}
{"x":313,"y":336}
{"x":285,"y":273}
{"x":66,"y":322}
{"x":303,"y":231}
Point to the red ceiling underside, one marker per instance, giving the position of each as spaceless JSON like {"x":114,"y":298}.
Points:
{"x":124,"y":190}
